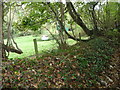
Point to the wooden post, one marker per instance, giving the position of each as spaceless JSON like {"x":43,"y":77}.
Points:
{"x":35,"y":47}
{"x":79,"y":37}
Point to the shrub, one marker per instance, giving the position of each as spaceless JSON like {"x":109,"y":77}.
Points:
{"x":112,"y":34}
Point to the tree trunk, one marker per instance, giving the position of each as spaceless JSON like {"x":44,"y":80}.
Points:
{"x":63,"y":27}
{"x":77,"y":18}
{"x":0,"y":30}
{"x":95,"y":31}
{"x":93,"y":14}
{"x":2,"y":51}
{"x":61,"y":31}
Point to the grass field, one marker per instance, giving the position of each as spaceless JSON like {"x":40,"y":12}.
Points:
{"x":26,"y":44}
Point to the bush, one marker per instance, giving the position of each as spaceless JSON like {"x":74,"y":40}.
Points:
{"x":112,"y":34}
{"x":102,"y":46}
{"x":23,"y":33}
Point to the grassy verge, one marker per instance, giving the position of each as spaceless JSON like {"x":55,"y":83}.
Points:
{"x":25,"y":43}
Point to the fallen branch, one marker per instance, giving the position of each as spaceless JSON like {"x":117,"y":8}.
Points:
{"x":11,"y":49}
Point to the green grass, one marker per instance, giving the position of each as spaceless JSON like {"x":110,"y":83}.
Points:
{"x":26,"y":44}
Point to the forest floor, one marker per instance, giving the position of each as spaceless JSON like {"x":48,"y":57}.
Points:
{"x":93,"y":64}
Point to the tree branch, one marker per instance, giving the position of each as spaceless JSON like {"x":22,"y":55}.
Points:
{"x":63,"y":27}
{"x":77,"y":19}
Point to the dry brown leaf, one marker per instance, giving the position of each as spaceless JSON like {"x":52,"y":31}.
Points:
{"x":73,"y":66}
{"x":18,"y":78}
{"x":35,"y":85}
{"x":58,"y":76}
{"x":78,"y":73}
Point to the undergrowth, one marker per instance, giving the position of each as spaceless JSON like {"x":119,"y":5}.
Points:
{"x":79,"y":66}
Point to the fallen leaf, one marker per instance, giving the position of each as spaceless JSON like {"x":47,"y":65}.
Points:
{"x":58,"y":76}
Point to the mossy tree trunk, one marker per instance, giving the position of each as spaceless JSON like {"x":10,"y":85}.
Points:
{"x":2,"y":50}
{"x":0,"y":30}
